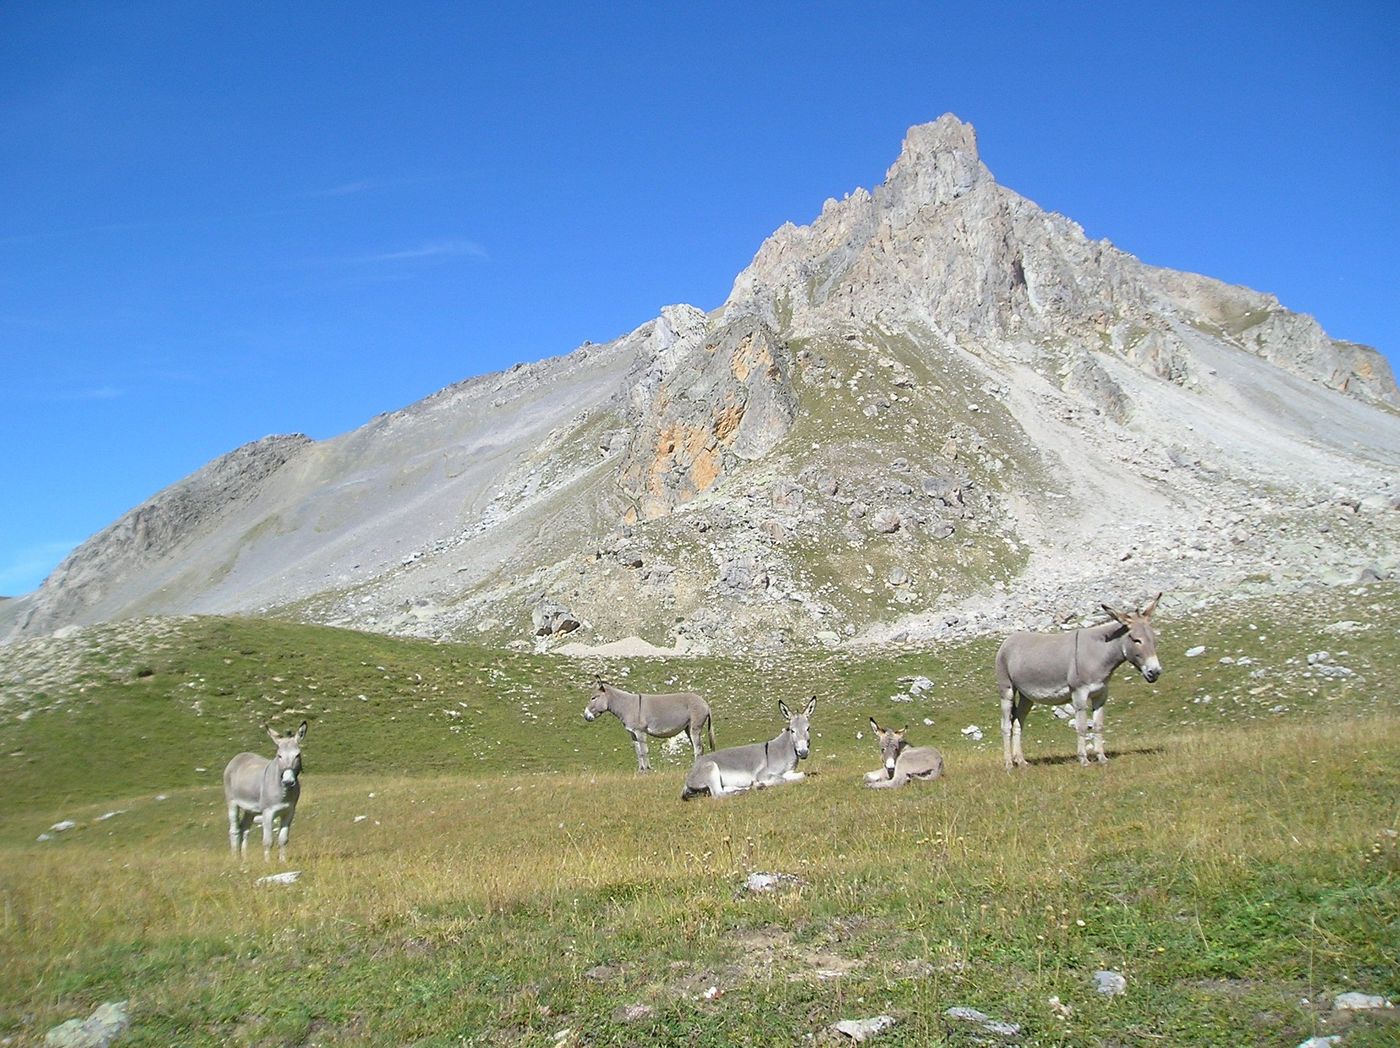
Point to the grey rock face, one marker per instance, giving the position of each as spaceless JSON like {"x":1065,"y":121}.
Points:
{"x":709,"y":399}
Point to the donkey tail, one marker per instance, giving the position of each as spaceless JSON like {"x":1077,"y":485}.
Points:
{"x":710,"y":727}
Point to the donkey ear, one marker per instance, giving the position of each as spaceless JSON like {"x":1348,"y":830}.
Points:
{"x":782,"y":708}
{"x":1115,"y":613}
{"x":874,"y":727}
{"x":811,"y":706}
{"x":301,"y":732}
{"x":1150,"y":607}
{"x":270,"y":733}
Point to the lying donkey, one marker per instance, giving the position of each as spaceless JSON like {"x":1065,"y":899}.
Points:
{"x":903,"y":763}
{"x":1072,"y":667}
{"x":255,"y":786}
{"x":756,"y":765}
{"x":660,"y":716}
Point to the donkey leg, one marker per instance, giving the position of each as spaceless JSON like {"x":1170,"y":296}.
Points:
{"x":695,"y":739}
{"x":1081,"y":722}
{"x":1098,"y":727}
{"x":1018,"y":722}
{"x":284,"y":833}
{"x":245,"y":830}
{"x":267,"y":835}
{"x":235,"y":818}
{"x":1008,"y":699}
{"x":639,"y":744}
{"x":885,"y":783}
{"x":716,"y":784}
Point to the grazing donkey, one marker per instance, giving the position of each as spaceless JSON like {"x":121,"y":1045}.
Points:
{"x":1058,"y":667}
{"x":255,"y":786}
{"x":659,"y":716}
{"x":903,"y":763}
{"x":758,"y":764}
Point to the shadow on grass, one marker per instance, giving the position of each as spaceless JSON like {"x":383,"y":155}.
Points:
{"x":1071,"y":758}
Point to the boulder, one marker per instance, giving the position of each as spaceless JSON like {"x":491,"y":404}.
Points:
{"x":98,"y":1030}
{"x":551,"y":618}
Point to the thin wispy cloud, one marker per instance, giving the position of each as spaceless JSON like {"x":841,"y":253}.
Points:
{"x":364,"y":185}
{"x":370,"y":185}
{"x":59,"y":234}
{"x":428,"y":251}
{"x":75,"y":395}
{"x":433,"y":249}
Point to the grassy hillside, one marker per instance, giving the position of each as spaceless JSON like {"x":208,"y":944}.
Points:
{"x":512,"y":881}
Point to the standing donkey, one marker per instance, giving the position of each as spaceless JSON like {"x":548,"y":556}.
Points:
{"x":660,"y":716}
{"x":257,"y":787}
{"x":758,"y":764}
{"x":1055,"y":667}
{"x":902,"y":763}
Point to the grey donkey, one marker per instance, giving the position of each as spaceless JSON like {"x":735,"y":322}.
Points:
{"x":256,"y":787}
{"x":1075,"y":667}
{"x":756,"y":765}
{"x":660,"y":716}
{"x":903,"y":763}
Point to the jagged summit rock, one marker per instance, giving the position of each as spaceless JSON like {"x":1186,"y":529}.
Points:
{"x":935,"y":408}
{"x":938,"y":163}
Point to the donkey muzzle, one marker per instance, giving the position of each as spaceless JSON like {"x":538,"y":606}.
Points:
{"x":889,"y":769}
{"x":588,"y":715}
{"x":1151,"y":672}
{"x":289,"y":777}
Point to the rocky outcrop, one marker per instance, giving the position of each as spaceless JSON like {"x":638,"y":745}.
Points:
{"x":551,"y":618}
{"x":708,"y":399}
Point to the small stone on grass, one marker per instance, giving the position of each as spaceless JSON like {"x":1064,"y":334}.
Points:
{"x":860,"y":1030}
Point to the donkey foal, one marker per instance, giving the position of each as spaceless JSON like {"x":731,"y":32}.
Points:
{"x":902,"y":762}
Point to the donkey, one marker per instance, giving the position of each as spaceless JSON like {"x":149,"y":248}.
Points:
{"x":1058,"y":667}
{"x":255,"y":786}
{"x":756,"y":765}
{"x":903,"y":763}
{"x":660,"y":716}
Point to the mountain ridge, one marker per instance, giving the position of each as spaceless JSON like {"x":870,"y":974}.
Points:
{"x":907,"y":417}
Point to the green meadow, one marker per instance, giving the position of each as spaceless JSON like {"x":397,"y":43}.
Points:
{"x":479,"y":866}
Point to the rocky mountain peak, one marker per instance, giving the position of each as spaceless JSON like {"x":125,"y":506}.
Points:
{"x":937,"y":164}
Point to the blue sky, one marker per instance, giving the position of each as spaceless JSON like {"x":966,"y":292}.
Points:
{"x":223,"y":221}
